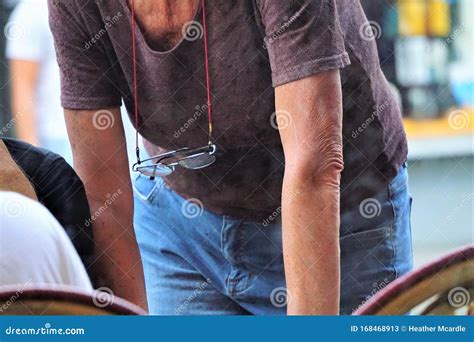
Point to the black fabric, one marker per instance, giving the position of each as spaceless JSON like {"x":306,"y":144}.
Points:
{"x":61,"y":191}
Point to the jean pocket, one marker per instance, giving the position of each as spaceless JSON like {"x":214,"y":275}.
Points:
{"x":146,"y":189}
{"x":253,"y":247}
{"x":365,"y":238}
{"x":367,"y":265}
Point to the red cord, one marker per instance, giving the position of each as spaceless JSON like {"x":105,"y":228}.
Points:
{"x":208,"y":82}
{"x":135,"y":88}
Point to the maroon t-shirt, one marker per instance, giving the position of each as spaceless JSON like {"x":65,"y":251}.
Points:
{"x":254,"y":45}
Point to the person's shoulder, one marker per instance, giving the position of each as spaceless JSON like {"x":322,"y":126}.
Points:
{"x":72,"y":5}
{"x":77,"y":10}
{"x":31,"y":159}
{"x":70,"y":20}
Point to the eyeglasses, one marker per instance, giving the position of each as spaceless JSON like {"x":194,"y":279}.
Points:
{"x":192,"y":159}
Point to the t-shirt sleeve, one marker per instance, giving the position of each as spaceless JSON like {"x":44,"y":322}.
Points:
{"x":25,"y":32}
{"x":87,"y":79}
{"x":302,"y":38}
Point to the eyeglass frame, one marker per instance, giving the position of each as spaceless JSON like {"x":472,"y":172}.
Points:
{"x":187,"y":150}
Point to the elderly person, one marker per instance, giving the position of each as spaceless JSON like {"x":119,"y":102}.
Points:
{"x":35,"y":249}
{"x":249,"y":111}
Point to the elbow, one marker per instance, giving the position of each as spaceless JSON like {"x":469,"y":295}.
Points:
{"x":321,"y":167}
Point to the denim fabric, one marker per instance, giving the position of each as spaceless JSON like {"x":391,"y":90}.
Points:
{"x":197,"y":262}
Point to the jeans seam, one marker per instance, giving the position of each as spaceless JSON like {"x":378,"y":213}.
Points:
{"x":159,"y":184}
{"x":223,"y":238}
{"x":229,"y":282}
{"x":393,"y":230}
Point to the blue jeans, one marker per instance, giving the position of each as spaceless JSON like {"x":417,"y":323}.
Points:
{"x":197,"y":262}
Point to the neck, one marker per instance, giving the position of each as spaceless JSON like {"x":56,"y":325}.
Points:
{"x":166,"y":10}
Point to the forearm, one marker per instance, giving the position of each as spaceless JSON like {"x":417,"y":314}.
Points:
{"x":119,"y":263}
{"x":12,"y":177}
{"x":311,"y":248}
{"x":100,"y":159}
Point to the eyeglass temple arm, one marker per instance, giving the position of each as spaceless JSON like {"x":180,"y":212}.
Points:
{"x":160,"y":157}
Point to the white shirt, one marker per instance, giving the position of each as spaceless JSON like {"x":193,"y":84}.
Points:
{"x":34,"y":248}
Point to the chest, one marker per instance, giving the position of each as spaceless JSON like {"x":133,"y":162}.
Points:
{"x":172,"y":79}
{"x":163,"y":22}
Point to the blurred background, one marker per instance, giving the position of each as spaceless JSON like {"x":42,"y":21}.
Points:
{"x":425,"y":49}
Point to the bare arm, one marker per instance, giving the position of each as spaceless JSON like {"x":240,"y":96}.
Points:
{"x":24,"y":76}
{"x":312,"y":142}
{"x":100,"y":158}
{"x":12,"y":177}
